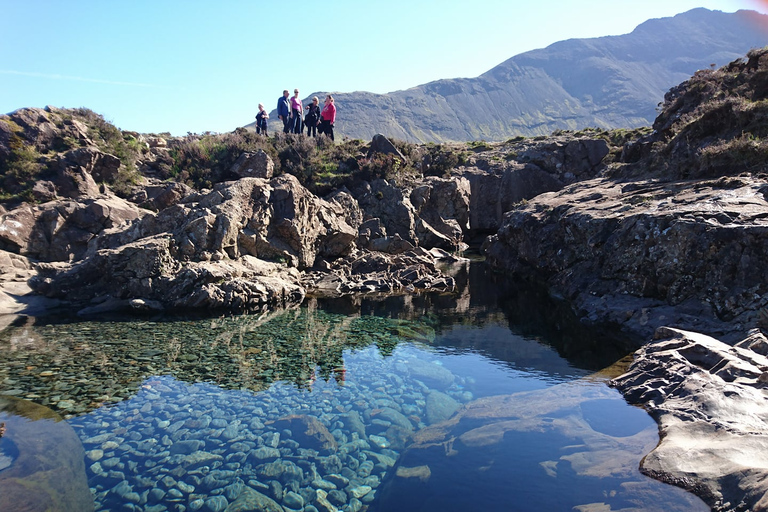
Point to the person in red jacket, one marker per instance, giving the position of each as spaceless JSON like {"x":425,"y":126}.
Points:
{"x":328,"y":117}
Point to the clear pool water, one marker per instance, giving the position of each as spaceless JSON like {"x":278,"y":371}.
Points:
{"x":488,"y":398}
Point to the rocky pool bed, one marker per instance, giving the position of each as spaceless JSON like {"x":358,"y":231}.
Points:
{"x":314,"y":410}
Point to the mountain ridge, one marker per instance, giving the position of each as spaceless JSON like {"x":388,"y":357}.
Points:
{"x":608,"y":82}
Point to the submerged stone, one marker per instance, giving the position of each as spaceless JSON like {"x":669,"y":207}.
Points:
{"x":49,"y":472}
{"x":251,"y":500}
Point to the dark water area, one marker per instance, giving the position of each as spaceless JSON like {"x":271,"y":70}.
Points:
{"x":491,"y":397}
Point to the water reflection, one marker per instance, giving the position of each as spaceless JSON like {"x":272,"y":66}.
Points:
{"x":326,"y":406}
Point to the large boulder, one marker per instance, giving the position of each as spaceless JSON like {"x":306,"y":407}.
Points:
{"x":709,"y":400}
{"x":381,"y":144}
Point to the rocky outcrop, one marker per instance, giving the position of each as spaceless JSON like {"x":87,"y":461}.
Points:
{"x":643,"y":254}
{"x":141,"y":274}
{"x":709,"y":400}
{"x":61,"y":230}
{"x":210,"y":251}
{"x":273,"y":220}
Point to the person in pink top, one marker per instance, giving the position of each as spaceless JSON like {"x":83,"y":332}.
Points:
{"x":328,"y":117}
{"x":297,"y":108}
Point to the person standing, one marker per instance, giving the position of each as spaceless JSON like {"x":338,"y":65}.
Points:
{"x":328,"y":117}
{"x":261,"y":120}
{"x":297,"y":109}
{"x":284,"y":110}
{"x":313,"y":116}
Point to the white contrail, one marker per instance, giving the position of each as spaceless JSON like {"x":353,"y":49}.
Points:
{"x":50,"y":76}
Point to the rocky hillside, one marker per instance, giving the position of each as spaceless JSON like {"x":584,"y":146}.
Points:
{"x":606,"y":82}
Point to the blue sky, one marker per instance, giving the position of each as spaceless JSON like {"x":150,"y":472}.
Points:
{"x":195,"y":66}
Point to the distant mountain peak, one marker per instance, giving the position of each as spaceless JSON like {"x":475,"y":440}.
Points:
{"x":605,"y":82}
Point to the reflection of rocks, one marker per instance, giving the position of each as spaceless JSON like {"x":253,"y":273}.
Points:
{"x":64,"y":366}
{"x":48,"y":472}
{"x":490,"y":440}
{"x":709,"y":400}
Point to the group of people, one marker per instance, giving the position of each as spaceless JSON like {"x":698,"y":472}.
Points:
{"x":291,"y":112}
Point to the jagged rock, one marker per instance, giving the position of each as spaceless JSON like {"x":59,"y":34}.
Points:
{"x":101,"y":166}
{"x":381,"y":144}
{"x":61,"y":230}
{"x":353,"y":215}
{"x":442,"y":206}
{"x":74,"y":181}
{"x":158,"y":195}
{"x":277,"y":219}
{"x":709,"y":401}
{"x":44,"y":191}
{"x":253,"y":165}
{"x":438,"y":220}
{"x":385,"y":201}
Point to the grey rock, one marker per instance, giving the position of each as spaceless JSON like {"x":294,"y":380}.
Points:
{"x":440,"y":407}
{"x":381,"y":144}
{"x":704,"y":393}
{"x":253,"y":165}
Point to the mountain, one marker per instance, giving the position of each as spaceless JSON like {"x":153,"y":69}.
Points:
{"x":606,"y":82}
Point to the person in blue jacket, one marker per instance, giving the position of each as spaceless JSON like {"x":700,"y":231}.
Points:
{"x":284,"y":110}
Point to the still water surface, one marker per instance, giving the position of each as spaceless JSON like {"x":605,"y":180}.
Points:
{"x":483,"y":399}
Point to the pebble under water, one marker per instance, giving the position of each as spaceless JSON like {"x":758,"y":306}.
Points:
{"x":317,"y":408}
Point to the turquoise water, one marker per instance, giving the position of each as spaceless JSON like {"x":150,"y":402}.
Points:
{"x":484,"y":399}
